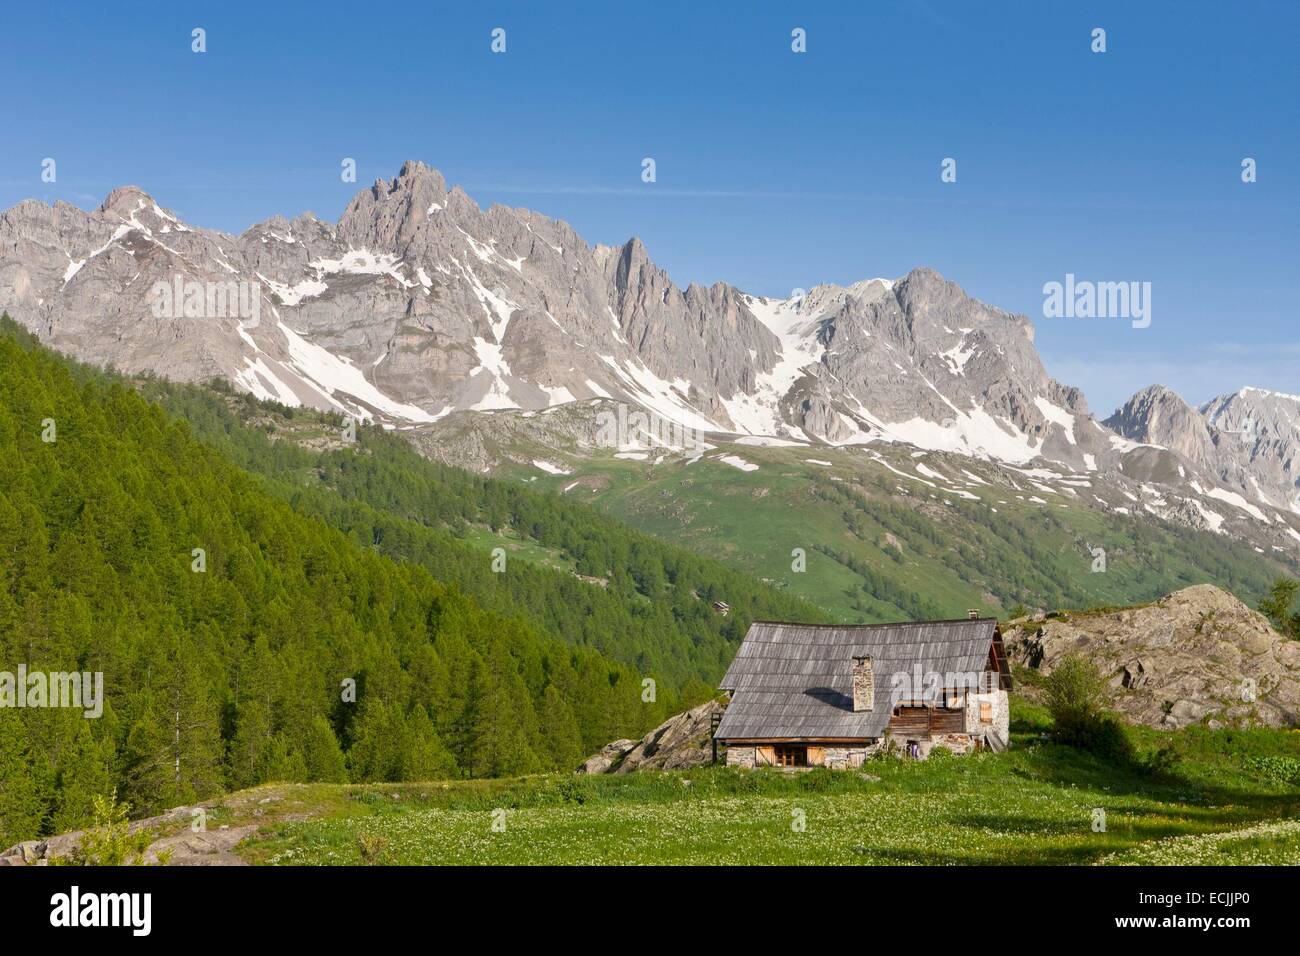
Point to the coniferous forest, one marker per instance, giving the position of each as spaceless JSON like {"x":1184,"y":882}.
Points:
{"x":262,"y":612}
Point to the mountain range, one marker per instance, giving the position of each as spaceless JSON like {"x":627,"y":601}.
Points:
{"x":423,"y":312}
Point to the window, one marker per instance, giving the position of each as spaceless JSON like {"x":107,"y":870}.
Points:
{"x":788,"y":756}
{"x":986,"y":712}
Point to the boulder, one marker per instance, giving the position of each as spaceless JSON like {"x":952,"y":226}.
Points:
{"x":1197,"y":655}
{"x":680,"y":742}
{"x":608,"y":757}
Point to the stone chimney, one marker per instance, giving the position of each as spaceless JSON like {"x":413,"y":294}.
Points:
{"x":864,"y":684}
{"x":972,"y":612}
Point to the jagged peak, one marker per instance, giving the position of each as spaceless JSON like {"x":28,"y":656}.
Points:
{"x":1146,"y":400}
{"x":1249,"y":391}
{"x":125,"y":200}
{"x":634,"y":246}
{"x":1159,"y":415}
{"x":1153,"y":392}
{"x":924,"y":283}
{"x":413,"y":171}
{"x":924,"y":274}
{"x":413,"y":177}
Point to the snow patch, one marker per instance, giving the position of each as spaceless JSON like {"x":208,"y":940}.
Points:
{"x":975,"y":433}
{"x":292,"y":295}
{"x":1234,"y":499}
{"x":769,"y":441}
{"x":1057,"y":414}
{"x":335,"y":374}
{"x":737,"y":462}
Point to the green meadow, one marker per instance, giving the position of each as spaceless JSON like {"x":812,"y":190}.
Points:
{"x":1193,"y":797}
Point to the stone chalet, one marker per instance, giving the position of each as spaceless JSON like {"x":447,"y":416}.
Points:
{"x":809,"y":695}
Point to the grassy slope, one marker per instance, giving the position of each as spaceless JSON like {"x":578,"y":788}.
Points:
{"x":883,"y":541}
{"x":947,"y":553}
{"x":1034,"y":804}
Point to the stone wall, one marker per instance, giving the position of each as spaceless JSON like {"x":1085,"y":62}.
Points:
{"x":741,"y":757}
{"x":836,"y":758}
{"x":998,"y":731}
{"x":956,"y":743}
{"x":845,"y":758}
{"x":978,"y":734}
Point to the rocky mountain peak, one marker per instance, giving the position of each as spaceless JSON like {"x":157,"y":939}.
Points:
{"x":125,"y":201}
{"x":1158,"y":416}
{"x":1257,"y":442}
{"x":418,"y":304}
{"x":413,"y":171}
{"x":1139,"y":417}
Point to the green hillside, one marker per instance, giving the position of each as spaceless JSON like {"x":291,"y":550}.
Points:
{"x":884,"y":546}
{"x":879,"y":540}
{"x":573,"y":571}
{"x":227,"y":668}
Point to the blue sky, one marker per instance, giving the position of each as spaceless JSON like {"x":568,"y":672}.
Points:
{"x":775,"y":170}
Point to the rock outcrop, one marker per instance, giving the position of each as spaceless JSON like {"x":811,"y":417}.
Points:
{"x":679,"y":743}
{"x":176,"y":843}
{"x":1197,"y":655}
{"x":183,"y":836}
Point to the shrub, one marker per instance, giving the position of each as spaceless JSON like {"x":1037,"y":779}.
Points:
{"x":1076,"y":695}
{"x":373,"y":848}
{"x":1160,"y":761}
{"x":110,"y":842}
{"x":575,"y":789}
{"x":1275,"y":769}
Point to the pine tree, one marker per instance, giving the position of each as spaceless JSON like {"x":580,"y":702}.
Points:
{"x":426,"y":757}
{"x":22,"y":810}
{"x":174,"y":750}
{"x":86,"y":773}
{"x":560,"y":730}
{"x":282,"y":762}
{"x":250,"y":745}
{"x":375,"y":754}
{"x":322,"y":755}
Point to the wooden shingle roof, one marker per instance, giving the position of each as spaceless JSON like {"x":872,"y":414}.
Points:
{"x":795,"y":680}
